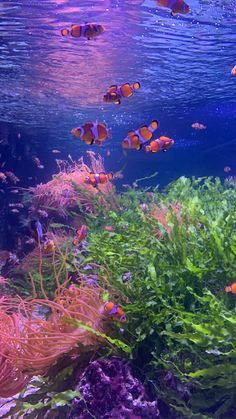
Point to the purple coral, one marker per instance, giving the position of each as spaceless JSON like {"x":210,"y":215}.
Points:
{"x":109,"y":390}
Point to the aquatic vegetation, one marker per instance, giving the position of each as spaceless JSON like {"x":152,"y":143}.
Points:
{"x":180,"y":321}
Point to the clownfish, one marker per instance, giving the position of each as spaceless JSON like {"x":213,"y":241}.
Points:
{"x":233,"y":71}
{"x":115,"y":93}
{"x":3,"y":177}
{"x":136,"y":139}
{"x":80,"y":235}
{"x":163,"y":143}
{"x":95,"y":178}
{"x":197,"y":125}
{"x":176,"y":6}
{"x":231,"y":288}
{"x":87,"y":30}
{"x":71,"y":291}
{"x":114,"y":311}
{"x":92,"y":132}
{"x":48,"y":245}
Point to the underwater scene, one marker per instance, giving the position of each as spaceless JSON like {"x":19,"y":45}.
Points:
{"x":118,"y":209}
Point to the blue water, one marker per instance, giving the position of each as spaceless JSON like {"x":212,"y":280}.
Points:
{"x":50,"y":84}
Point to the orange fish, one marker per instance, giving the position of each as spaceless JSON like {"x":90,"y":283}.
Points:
{"x":80,"y":235}
{"x":71,"y":291}
{"x":197,"y":125}
{"x":115,"y":93}
{"x":92,"y":132}
{"x":233,"y":71}
{"x":136,"y":139}
{"x":95,"y":178}
{"x":162,"y":143}
{"x":109,"y":228}
{"x":231,"y":288}
{"x":87,"y":30}
{"x":48,"y":245}
{"x":114,"y":311}
{"x":176,"y":6}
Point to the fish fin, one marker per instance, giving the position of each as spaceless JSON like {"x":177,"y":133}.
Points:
{"x":117,"y":102}
{"x":140,"y":147}
{"x":173,"y":13}
{"x":130,"y":134}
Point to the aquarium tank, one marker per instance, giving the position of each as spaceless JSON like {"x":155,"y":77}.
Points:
{"x":118,"y":209}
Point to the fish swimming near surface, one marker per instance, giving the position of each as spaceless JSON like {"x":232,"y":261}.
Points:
{"x":115,"y":93}
{"x":136,"y":139}
{"x":176,"y":6}
{"x":160,"y":144}
{"x":86,"y":30}
{"x":95,"y":178}
{"x":92,"y":132}
{"x":231,"y":288}
{"x":114,"y":311}
{"x":198,"y":125}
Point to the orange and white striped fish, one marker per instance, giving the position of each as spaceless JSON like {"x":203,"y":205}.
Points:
{"x":80,"y":235}
{"x":92,"y":132}
{"x":231,"y":288}
{"x":198,"y":125}
{"x":160,"y":144}
{"x":87,"y":30}
{"x":136,"y":139}
{"x":115,"y":93}
{"x":95,"y":178}
{"x":114,"y":311}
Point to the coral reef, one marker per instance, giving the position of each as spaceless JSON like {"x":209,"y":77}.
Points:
{"x":109,"y":389}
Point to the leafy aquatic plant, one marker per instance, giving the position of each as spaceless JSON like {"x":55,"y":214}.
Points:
{"x":180,"y":321}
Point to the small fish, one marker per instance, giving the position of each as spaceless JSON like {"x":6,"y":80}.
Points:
{"x":19,"y":135}
{"x":227,"y":169}
{"x":233,"y":71}
{"x":114,"y":311}
{"x":80,"y":235}
{"x":115,"y":93}
{"x":163,"y":143}
{"x":92,"y":132}
{"x":16,"y":205}
{"x":136,"y":139}
{"x":12,"y":177}
{"x":3,"y":177}
{"x":30,"y":241}
{"x":95,"y":178}
{"x":3,"y":164}
{"x":197,"y":125}
{"x":109,"y":228}
{"x":231,"y":288}
{"x":48,"y":245}
{"x":87,"y":30}
{"x":14,"y":211}
{"x":15,"y":191}
{"x":71,"y":291}
{"x":54,"y":151}
{"x":176,"y":6}
{"x":108,"y":153}
{"x":37,"y":163}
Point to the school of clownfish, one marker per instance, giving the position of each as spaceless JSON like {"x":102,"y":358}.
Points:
{"x":98,"y":132}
